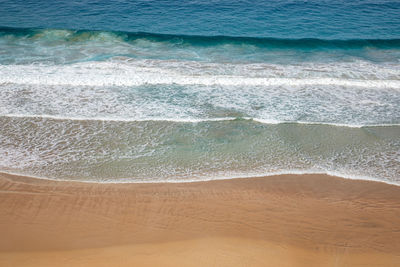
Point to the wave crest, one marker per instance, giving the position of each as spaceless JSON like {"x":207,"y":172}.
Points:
{"x":303,"y":43}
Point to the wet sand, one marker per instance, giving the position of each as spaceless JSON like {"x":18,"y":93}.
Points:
{"x":286,"y":220}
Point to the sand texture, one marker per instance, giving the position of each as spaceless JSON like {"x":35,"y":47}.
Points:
{"x":286,"y":220}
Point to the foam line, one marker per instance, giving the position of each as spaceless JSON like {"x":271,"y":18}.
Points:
{"x":99,"y":80}
{"x":123,"y":74}
{"x":193,"y":120}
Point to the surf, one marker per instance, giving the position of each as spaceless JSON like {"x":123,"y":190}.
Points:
{"x":195,"y":40}
{"x":105,"y":106}
{"x":25,"y":46}
{"x":150,"y":151}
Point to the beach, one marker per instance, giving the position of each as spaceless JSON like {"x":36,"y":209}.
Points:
{"x":285,"y":220}
{"x":199,"y":133}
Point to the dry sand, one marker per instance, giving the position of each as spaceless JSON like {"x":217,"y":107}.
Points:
{"x":287,"y":220}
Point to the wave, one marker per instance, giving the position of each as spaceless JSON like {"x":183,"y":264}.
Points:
{"x":140,"y":91}
{"x":193,"y":120}
{"x":166,"y":151}
{"x":136,"y":73}
{"x":304,"y":43}
{"x":26,"y":46}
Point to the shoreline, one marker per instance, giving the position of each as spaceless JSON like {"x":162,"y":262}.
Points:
{"x":286,"y":220}
{"x":200,"y":180}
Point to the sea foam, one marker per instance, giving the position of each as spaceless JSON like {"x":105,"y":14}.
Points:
{"x":103,"y":106}
{"x":132,"y":74}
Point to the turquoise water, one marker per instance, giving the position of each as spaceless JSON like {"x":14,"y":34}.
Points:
{"x":146,"y":91}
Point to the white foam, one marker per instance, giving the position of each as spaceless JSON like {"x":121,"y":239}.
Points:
{"x":342,"y":94}
{"x":111,"y":119}
{"x":136,"y":74}
{"x":161,"y":152}
{"x":328,"y":123}
{"x":191,"y":120}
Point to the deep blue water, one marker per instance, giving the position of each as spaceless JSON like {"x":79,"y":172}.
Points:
{"x":324,"y":19}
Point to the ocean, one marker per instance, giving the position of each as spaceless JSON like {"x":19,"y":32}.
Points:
{"x":176,"y":91}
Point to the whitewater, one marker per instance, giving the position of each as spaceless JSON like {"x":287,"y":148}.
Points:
{"x":111,"y":106}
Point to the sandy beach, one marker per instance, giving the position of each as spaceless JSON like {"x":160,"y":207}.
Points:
{"x":200,"y":133}
{"x":286,"y":220}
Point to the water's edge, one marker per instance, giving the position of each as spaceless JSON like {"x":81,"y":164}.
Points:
{"x":266,"y":175}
